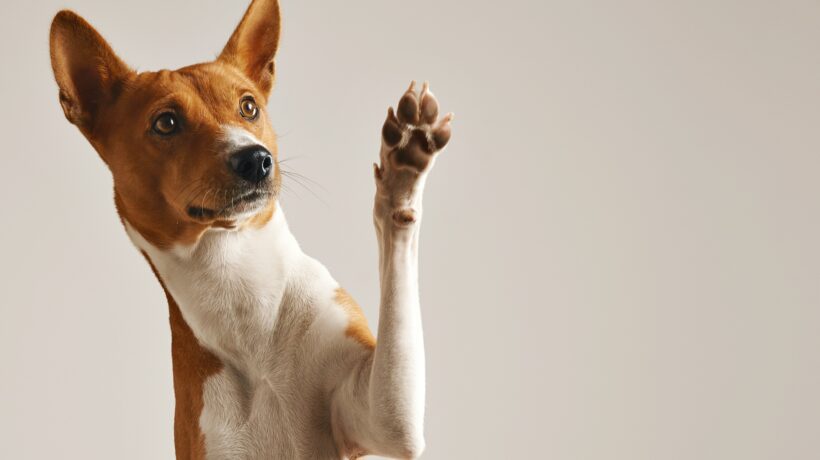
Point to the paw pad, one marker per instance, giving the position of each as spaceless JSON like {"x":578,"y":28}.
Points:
{"x":413,"y":134}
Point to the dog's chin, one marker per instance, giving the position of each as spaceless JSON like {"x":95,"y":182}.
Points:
{"x":237,"y":209}
{"x":246,"y":206}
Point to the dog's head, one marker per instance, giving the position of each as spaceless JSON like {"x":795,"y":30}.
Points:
{"x":189,"y":149}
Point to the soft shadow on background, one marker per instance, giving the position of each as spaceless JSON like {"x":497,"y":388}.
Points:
{"x":620,"y":256}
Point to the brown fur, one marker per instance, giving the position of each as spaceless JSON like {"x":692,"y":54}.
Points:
{"x":357,"y":328}
{"x":253,"y":44}
{"x":192,"y":365}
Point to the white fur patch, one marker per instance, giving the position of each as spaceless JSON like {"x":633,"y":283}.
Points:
{"x":237,"y":138}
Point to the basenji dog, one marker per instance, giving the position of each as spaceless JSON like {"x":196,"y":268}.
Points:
{"x":271,"y":357}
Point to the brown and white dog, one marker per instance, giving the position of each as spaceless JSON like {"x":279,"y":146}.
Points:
{"x":271,"y":357}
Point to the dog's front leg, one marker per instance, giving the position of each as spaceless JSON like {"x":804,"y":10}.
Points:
{"x":410,"y":141}
{"x":390,"y":388}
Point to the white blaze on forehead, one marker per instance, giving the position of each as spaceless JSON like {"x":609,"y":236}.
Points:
{"x":237,"y":138}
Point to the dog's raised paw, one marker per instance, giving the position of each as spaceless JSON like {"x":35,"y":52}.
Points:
{"x":414,"y":133}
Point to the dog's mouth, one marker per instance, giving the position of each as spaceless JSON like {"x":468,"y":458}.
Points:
{"x":247,"y":202}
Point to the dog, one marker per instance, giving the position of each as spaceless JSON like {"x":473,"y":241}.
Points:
{"x":271,"y":357}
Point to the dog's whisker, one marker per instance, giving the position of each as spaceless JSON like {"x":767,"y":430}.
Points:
{"x":190,"y":184}
{"x":302,"y":176}
{"x":295,"y":157}
{"x":197,"y":192}
{"x":298,"y":180}
{"x":194,"y":192}
{"x":291,"y":190}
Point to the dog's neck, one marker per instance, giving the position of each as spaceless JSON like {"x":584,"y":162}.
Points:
{"x":231,"y":285}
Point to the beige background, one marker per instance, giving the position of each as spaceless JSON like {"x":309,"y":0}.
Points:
{"x":620,"y":256}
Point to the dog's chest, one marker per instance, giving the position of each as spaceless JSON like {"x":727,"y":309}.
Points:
{"x":268,"y":312}
{"x":281,"y":414}
{"x":230,"y":293}
{"x":230,"y":286}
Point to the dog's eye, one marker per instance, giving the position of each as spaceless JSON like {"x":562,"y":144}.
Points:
{"x":166,"y":124}
{"x":248,"y":108}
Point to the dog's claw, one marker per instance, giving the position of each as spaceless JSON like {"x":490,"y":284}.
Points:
{"x":391,"y":115}
{"x":429,"y":106}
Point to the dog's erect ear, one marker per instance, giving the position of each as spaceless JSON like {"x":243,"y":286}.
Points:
{"x":87,"y":71}
{"x":253,"y":44}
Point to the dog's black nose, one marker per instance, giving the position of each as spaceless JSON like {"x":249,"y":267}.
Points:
{"x":253,"y":164}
